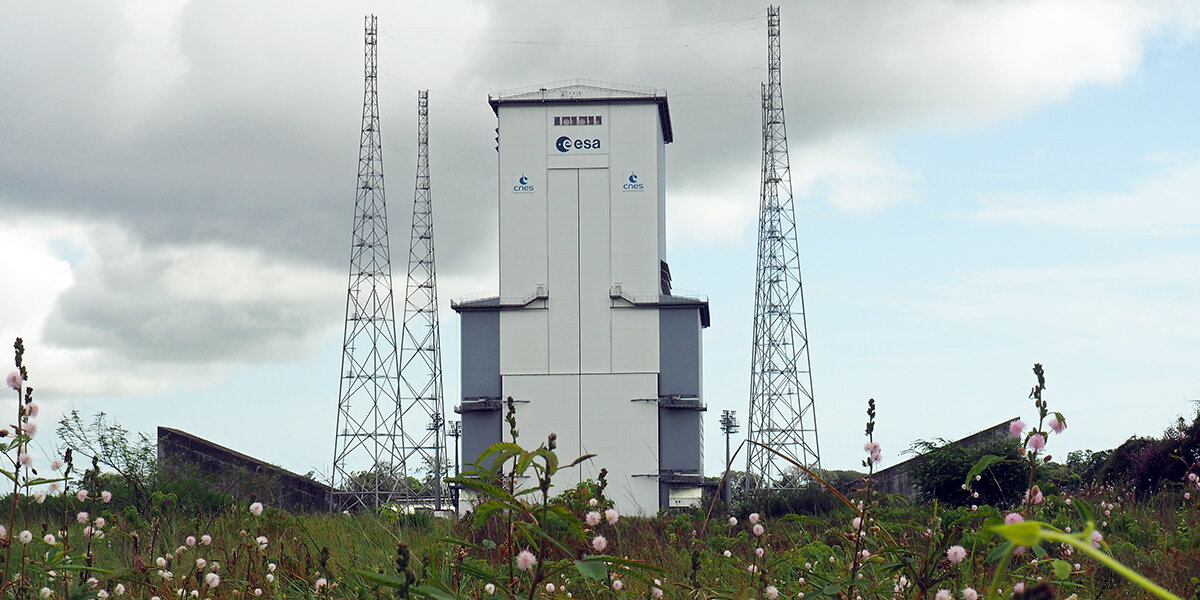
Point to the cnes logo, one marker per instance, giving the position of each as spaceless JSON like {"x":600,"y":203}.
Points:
{"x":566,"y":144}
{"x":523,"y":184}
{"x":631,"y":184}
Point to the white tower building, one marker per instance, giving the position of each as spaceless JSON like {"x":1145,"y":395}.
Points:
{"x":585,"y":334}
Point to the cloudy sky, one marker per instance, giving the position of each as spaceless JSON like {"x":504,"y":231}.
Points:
{"x":980,"y":185}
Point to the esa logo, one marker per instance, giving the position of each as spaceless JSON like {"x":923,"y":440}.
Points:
{"x":524,"y":185}
{"x":631,"y":184}
{"x":566,"y":144}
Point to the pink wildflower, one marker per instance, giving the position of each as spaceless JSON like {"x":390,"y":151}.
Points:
{"x":106,"y":496}
{"x":256,"y":509}
{"x":772,"y":592}
{"x":489,"y":589}
{"x":753,"y":518}
{"x":592,"y":518}
{"x":1096,"y":538}
{"x":549,"y":588}
{"x":732,"y":521}
{"x":56,"y":465}
{"x":25,"y":459}
{"x":320,"y":583}
{"x":657,"y":592}
{"x":599,"y":543}
{"x":32,"y":409}
{"x":14,"y":381}
{"x":1020,"y":587}
{"x":1037,"y":442}
{"x":31,"y":429}
{"x":190,"y":541}
{"x":1016,"y":428}
{"x":956,"y":554}
{"x":1056,"y":424}
{"x":758,"y":529}
{"x":25,"y":537}
{"x":206,"y":539}
{"x":943,"y":595}
{"x":618,"y":584}
{"x":759,"y":552}
{"x":611,"y":515}
{"x":83,"y":518}
{"x":970,"y":594}
{"x":1011,"y":518}
{"x":212,"y":579}
{"x":82,"y":495}
{"x":526,"y":560}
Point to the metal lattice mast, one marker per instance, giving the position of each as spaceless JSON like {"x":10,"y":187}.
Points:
{"x":424,"y":438}
{"x":365,"y":457}
{"x":782,"y":415}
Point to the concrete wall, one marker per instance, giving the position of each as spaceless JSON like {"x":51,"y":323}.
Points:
{"x":896,"y":479}
{"x":241,"y":476}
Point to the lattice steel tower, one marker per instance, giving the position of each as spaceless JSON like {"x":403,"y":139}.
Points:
{"x":782,"y":415}
{"x":367,"y":466}
{"x":423,"y":443}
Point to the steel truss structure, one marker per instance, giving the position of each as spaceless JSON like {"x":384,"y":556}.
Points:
{"x":422,"y":424}
{"x":368,"y":468}
{"x":782,"y":412}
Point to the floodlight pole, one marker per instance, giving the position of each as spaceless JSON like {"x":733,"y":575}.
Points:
{"x":729,"y":426}
{"x":455,"y":432}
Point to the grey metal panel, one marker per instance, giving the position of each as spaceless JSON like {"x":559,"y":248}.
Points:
{"x":679,"y":441}
{"x":679,"y":352}
{"x":480,"y":429}
{"x":480,"y":354}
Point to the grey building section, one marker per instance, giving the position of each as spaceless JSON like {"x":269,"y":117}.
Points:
{"x":480,"y":375}
{"x":481,"y":426}
{"x":679,"y":352}
{"x":680,"y":410}
{"x":480,"y":354}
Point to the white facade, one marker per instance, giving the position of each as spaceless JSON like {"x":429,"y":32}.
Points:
{"x":582,"y":261}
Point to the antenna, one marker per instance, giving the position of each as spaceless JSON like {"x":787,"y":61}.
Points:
{"x":782,"y":412}
{"x":367,"y":469}
{"x":421,"y":419}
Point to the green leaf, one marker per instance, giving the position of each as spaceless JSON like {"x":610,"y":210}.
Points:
{"x":592,"y":569}
{"x":984,"y":462}
{"x":488,"y":544}
{"x":1027,"y":533}
{"x":999,"y":552}
{"x":832,"y":589}
{"x":434,"y":592}
{"x":381,"y":578}
{"x":579,"y":460}
{"x":523,"y":463}
{"x":1062,"y":569}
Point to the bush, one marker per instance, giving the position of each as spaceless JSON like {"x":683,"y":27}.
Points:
{"x":942,"y":468}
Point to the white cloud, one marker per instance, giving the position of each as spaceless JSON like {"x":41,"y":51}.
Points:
{"x":853,"y":174}
{"x":1165,"y":204}
{"x":1144,"y":302}
{"x":963,"y":63}
{"x":134,"y":319}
